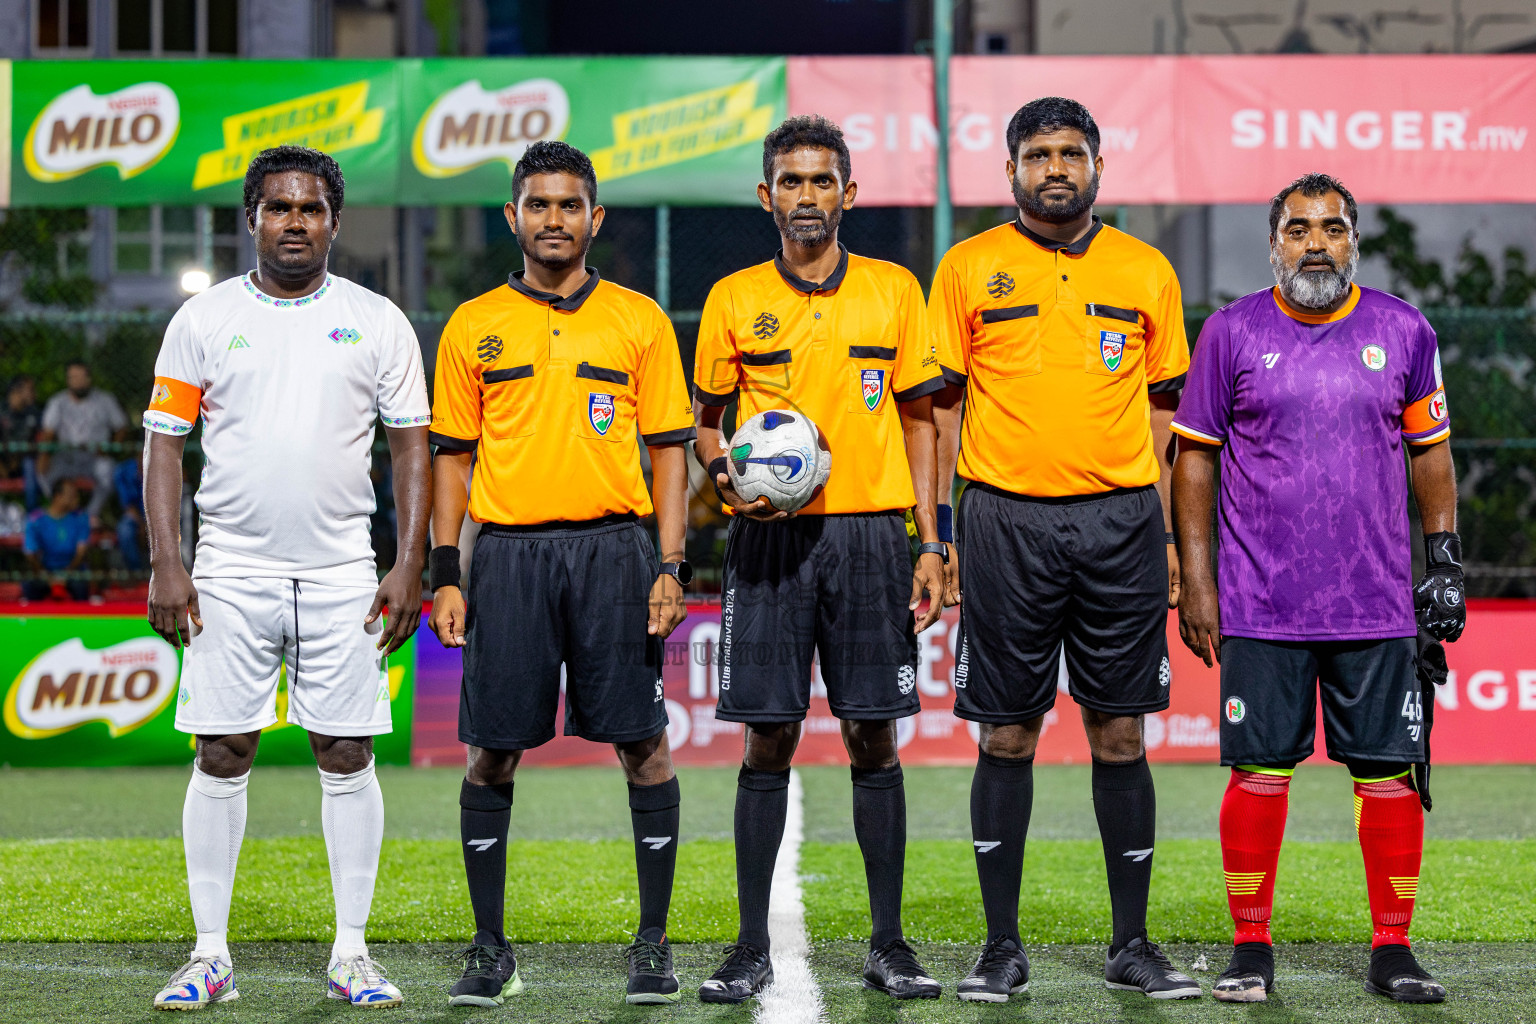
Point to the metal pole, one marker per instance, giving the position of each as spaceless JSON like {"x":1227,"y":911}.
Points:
{"x":205,"y":237}
{"x":664,"y":258}
{"x":943,"y":46}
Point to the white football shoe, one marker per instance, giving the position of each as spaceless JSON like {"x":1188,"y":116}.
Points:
{"x":202,"y":980}
{"x":360,"y":981}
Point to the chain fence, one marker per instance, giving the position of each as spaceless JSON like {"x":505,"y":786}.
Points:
{"x":50,"y":316}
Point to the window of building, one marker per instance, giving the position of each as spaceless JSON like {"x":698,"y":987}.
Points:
{"x":174,"y":28}
{"x":61,"y":27}
{"x":162,"y":241}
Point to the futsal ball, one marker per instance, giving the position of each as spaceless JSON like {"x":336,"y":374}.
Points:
{"x":779,"y":456}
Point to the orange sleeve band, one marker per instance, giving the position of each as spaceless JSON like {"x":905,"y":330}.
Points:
{"x":175,"y":398}
{"x":1427,"y":415}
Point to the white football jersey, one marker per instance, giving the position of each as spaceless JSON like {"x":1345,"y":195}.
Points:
{"x":288,"y":390}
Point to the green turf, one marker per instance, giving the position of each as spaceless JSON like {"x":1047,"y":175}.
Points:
{"x":281,"y":984}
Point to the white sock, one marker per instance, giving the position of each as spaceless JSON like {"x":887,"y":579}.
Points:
{"x":352,"y":815}
{"x":212,"y":825}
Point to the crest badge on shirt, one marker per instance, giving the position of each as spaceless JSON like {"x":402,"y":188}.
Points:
{"x":600,"y":412}
{"x":1374,"y":357}
{"x":873,"y":385}
{"x":1111,"y":349}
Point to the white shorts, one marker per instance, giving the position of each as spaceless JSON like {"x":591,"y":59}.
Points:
{"x":338,"y":683}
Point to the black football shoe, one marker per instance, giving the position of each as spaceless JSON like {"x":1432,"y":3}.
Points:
{"x":651,"y":978}
{"x":894,"y":970}
{"x":1396,"y":973}
{"x":490,"y":975}
{"x":1141,"y":967}
{"x":1001,"y":971}
{"x":747,"y":971}
{"x":1250,"y":977}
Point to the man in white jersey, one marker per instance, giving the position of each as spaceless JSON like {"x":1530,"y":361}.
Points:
{"x":289,"y":367}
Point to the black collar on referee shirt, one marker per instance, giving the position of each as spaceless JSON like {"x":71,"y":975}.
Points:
{"x":569,"y":304}
{"x":800,"y":284}
{"x":1076,"y":248}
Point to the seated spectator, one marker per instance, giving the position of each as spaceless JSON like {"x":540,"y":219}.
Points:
{"x":129,"y":480}
{"x":83,"y":418}
{"x":56,"y":542}
{"x":20,"y":420}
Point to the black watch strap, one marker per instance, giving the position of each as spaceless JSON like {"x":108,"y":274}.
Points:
{"x":682,"y":571}
{"x":934,"y":548}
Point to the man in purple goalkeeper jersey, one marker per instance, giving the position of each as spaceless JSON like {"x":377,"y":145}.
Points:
{"x":1305,"y":395}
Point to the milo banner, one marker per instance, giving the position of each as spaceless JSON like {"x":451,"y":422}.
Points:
{"x":415,"y":132}
{"x":91,"y":690}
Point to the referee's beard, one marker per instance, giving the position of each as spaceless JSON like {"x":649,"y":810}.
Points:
{"x":1063,"y":212}
{"x":528,"y":243}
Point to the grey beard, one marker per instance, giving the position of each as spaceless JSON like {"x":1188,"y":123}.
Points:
{"x":1313,"y":289}
{"x":808,"y":235}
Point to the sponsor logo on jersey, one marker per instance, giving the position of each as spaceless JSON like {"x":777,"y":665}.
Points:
{"x":1374,"y":357}
{"x":872,"y":383}
{"x":1111,"y":349}
{"x":999,"y":284}
{"x":78,"y":130}
{"x":765,"y":326}
{"x":1235,"y":710}
{"x":488,"y":348}
{"x":906,"y":679}
{"x":68,"y":685}
{"x":345,"y":336}
{"x":1270,"y":359}
{"x":600,"y":411}
{"x":470,"y":125}
{"x":161,"y":394}
{"x":238,"y":341}
{"x":1436,"y":406}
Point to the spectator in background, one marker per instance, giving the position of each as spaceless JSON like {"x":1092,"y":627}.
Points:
{"x":83,"y":418}
{"x":20,"y":420}
{"x":129,"y":481}
{"x":56,"y":542}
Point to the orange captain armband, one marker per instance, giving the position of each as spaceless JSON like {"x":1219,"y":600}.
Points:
{"x":1427,"y":420}
{"x":176,"y":398}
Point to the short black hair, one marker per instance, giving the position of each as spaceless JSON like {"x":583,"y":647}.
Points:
{"x":1312,"y":185}
{"x":551,"y":156}
{"x":280,"y":159}
{"x":77,"y":362}
{"x":1051,"y":114}
{"x":20,"y":379}
{"x":806,"y":131}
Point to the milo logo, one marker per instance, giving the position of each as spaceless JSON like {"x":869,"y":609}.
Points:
{"x":131,"y":129}
{"x":68,"y":685}
{"x":470,"y":125}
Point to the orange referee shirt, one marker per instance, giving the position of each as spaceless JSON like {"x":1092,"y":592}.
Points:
{"x":1057,"y":347}
{"x":843,"y":352}
{"x":553,"y":392}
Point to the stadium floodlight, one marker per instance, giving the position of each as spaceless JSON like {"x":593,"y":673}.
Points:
{"x":195,"y":280}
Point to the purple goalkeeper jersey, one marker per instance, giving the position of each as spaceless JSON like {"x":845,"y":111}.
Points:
{"x":1312,"y":413}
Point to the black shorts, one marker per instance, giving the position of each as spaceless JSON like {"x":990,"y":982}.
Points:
{"x":571,"y":593}
{"x":833,"y":585}
{"x":1037,"y":575}
{"x":1372,"y":707}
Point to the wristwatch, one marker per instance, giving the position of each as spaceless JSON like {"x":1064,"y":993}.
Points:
{"x":934,"y":548}
{"x":682,"y":570}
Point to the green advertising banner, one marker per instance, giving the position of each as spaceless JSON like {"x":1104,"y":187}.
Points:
{"x":90,"y":691}
{"x":408,"y":132}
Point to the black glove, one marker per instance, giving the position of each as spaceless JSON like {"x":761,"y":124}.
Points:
{"x":1439,"y":600}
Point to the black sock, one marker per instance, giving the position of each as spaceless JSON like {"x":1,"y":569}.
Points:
{"x":880,"y":823}
{"x":484,"y":814}
{"x":654,"y":812}
{"x":762,"y":802}
{"x":1002,"y":794}
{"x":1126,"y":806}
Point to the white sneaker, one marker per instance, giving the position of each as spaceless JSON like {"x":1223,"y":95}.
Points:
{"x":360,"y":981}
{"x":202,"y":980}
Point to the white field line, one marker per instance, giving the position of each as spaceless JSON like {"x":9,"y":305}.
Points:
{"x":793,"y":998}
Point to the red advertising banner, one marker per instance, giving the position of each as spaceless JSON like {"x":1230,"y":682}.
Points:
{"x":1406,"y":129}
{"x":1486,"y":713}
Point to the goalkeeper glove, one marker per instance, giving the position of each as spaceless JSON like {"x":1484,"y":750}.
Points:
{"x":1439,"y":600}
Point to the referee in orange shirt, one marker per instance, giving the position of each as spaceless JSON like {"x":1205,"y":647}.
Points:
{"x":543,"y":385}
{"x":1067,"y":339}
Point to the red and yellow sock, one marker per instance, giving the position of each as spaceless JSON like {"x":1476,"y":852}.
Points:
{"x":1390,"y":822}
{"x":1252,"y":827}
